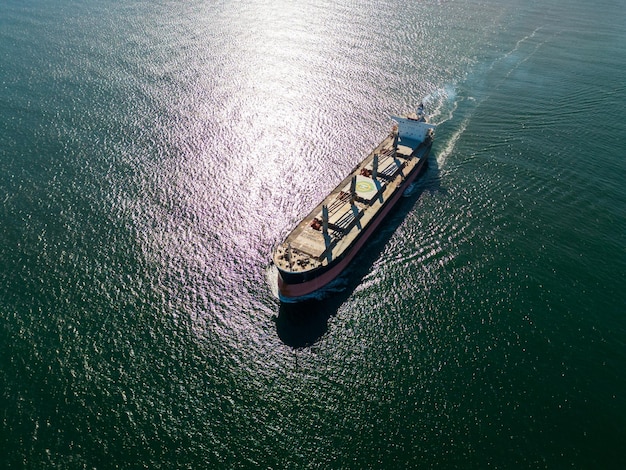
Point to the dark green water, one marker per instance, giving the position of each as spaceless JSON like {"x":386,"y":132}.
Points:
{"x":152,"y":154}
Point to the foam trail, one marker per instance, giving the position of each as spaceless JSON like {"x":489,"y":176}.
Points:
{"x":443,"y":155}
{"x":510,"y":59}
{"x":519,"y":43}
{"x":443,"y":102}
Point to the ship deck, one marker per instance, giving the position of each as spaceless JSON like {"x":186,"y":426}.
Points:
{"x":352,"y":205}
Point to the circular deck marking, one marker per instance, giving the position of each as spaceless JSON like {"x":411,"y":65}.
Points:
{"x":365,"y":186}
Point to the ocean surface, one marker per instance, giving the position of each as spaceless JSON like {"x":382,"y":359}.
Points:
{"x":152,"y":154}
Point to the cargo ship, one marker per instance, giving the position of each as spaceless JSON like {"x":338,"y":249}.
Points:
{"x":324,"y":243}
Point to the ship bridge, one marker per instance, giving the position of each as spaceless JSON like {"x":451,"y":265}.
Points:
{"x":413,"y":128}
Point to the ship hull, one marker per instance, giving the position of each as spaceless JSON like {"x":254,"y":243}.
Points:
{"x":293,"y":285}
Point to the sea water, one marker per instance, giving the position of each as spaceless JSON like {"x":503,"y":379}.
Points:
{"x":153,"y":153}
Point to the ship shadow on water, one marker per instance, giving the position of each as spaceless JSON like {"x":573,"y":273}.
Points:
{"x":302,"y":324}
